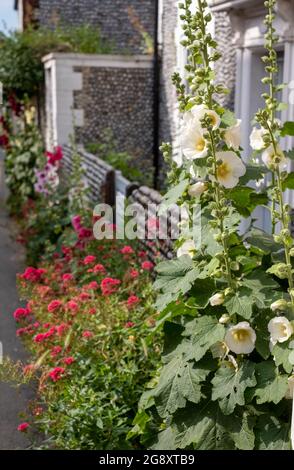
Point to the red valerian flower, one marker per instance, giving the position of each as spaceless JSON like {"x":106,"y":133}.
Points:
{"x":109,"y":285}
{"x":127,"y":250}
{"x":54,"y":305}
{"x":43,"y":291}
{"x":85,"y":233}
{"x":84,"y":296}
{"x":147,"y":265}
{"x":142,"y":254}
{"x":72,"y":305}
{"x":54,"y":157}
{"x":129,"y":324}
{"x":87,"y":334}
{"x":91,"y":286}
{"x":92,"y":311}
{"x":89,"y":259}
{"x":60,"y":329}
{"x":23,"y":427}
{"x":134,"y":273}
{"x":76,"y":222}
{"x":69,"y":360}
{"x":21,"y":313}
{"x":32,"y":274}
{"x":99,"y":268}
{"x":29,"y":369}
{"x":56,"y":373}
{"x":55,"y":351}
{"x":132,"y":300}
{"x":67,"y":277}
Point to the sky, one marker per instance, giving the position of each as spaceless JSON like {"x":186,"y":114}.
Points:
{"x":8,"y":15}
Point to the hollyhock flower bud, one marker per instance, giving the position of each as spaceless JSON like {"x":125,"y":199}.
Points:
{"x":225,"y":318}
{"x":280,"y":329}
{"x":217,"y":299}
{"x":280,"y":304}
{"x":219,"y":350}
{"x":197,"y":189}
{"x":241,"y":338}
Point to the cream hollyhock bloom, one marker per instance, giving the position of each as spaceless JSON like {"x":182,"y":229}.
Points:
{"x":192,"y":141}
{"x":280,"y":329}
{"x":269,"y":155}
{"x":200,"y":111}
{"x":232,"y":135}
{"x":241,"y":338}
{"x":187,"y":248}
{"x":197,"y":189}
{"x":217,"y":299}
{"x":230,"y":170}
{"x":256,"y":138}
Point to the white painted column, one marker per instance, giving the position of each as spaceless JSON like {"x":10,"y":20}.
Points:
{"x":288,"y":97}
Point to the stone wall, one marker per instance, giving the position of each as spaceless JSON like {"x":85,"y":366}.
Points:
{"x":125,"y":24}
{"x":98,"y":96}
{"x":226,"y":67}
{"x":168,"y":99}
{"x":119,"y":101}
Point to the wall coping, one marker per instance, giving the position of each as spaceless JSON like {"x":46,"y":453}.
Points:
{"x":224,"y":5}
{"x":99,"y":60}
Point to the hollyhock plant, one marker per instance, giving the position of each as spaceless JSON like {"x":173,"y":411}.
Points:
{"x":228,"y":355}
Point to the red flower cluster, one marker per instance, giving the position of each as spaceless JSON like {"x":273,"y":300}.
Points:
{"x":147,"y":265}
{"x":33,"y":274}
{"x":132,"y":301}
{"x":21,"y":313}
{"x":89,"y":260}
{"x":109,"y":285}
{"x":54,"y":305}
{"x":23,"y":427}
{"x":54,"y":157}
{"x":56,"y":373}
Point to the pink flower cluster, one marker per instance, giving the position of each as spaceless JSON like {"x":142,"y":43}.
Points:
{"x":109,"y":285}
{"x":32,"y":274}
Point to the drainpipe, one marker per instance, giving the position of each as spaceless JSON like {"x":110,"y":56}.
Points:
{"x":156,"y":92}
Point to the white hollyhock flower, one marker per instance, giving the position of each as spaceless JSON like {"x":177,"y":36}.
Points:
{"x":217,"y":299}
{"x":200,"y":111}
{"x":187,"y":248}
{"x":270,"y":155}
{"x":256,"y":138}
{"x":230,"y":170}
{"x":232,"y":135}
{"x":192,"y":141}
{"x":280,"y":329}
{"x":197,"y":189}
{"x":241,"y":338}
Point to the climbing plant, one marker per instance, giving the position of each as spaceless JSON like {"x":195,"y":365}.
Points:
{"x":226,"y":300}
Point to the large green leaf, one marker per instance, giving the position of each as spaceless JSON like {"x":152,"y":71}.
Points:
{"x":179,"y":381}
{"x":253,"y":173}
{"x":288,"y":182}
{"x":172,"y":196}
{"x":230,"y":384}
{"x":288,"y":129}
{"x":281,"y":354}
{"x":201,"y":292}
{"x":175,"y":278}
{"x":204,"y":331}
{"x":205,"y":428}
{"x":271,"y":386}
{"x":165,"y":440}
{"x":272,"y":434}
{"x":240,"y":303}
{"x":263,"y":241}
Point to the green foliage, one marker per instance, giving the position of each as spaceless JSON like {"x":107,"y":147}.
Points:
{"x":24,"y":154}
{"x":121,"y":161}
{"x":21,"y":68}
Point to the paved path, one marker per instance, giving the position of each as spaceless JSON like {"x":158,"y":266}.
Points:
{"x":12,"y":402}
